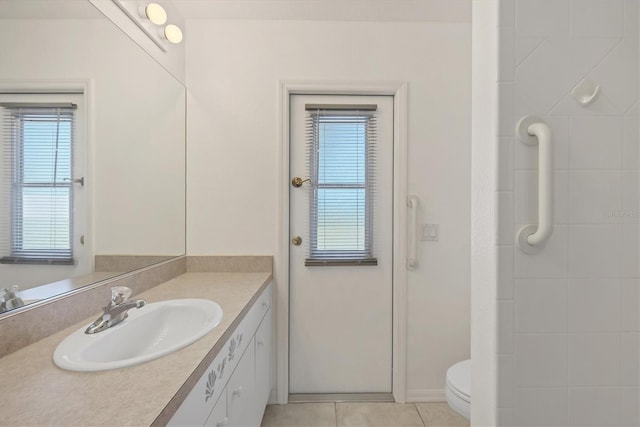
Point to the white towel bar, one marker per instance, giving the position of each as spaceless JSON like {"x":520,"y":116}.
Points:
{"x":412,"y":260}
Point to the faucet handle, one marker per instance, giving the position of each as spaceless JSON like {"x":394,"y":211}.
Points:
{"x":120,"y":294}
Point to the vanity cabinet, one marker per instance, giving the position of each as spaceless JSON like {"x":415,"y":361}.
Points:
{"x":242,"y":402}
{"x":265,"y":357}
{"x":235,"y":387}
{"x":218,"y":417}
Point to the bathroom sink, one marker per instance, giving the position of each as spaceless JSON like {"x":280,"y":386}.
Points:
{"x":150,"y":332}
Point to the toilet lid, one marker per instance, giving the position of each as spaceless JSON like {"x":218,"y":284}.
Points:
{"x":459,"y":378}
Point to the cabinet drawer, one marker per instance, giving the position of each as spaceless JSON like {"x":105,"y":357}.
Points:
{"x":246,"y":330}
{"x":259,"y":309}
{"x":200,"y":401}
{"x":241,"y":391}
{"x":239,"y":341}
{"x":218,"y":417}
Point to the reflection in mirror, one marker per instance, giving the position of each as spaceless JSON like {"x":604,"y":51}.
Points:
{"x":93,"y":152}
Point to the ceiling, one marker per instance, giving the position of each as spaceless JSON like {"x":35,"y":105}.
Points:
{"x":48,"y":9}
{"x":329,"y":10}
{"x":314,"y":10}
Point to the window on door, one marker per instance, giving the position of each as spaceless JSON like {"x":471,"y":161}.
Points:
{"x":341,"y":156}
{"x":37,"y":150}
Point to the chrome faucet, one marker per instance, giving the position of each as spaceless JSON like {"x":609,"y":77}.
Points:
{"x":10,"y":299}
{"x":116,"y":311}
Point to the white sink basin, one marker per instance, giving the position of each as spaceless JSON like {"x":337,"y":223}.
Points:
{"x":152,"y":331}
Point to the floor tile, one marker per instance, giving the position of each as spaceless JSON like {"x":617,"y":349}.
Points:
{"x":440,"y":415}
{"x":377,"y":414}
{"x":300,"y":415}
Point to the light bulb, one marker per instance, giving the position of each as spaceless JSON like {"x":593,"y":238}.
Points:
{"x":173,"y":33}
{"x":156,"y":13}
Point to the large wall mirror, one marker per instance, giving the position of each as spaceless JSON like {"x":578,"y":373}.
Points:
{"x":127,"y":189}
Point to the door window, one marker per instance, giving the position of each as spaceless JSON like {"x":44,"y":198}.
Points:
{"x":341,"y":163}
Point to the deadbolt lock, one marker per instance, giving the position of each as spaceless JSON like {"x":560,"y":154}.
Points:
{"x":297,"y":241}
{"x":297,"y":181}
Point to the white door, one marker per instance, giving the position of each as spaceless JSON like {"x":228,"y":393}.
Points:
{"x":340,"y":311}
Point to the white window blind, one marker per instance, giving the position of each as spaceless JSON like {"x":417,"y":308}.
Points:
{"x":341,"y":165}
{"x":37,"y":193}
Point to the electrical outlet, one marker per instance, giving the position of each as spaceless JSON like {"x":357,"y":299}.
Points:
{"x":430,"y":232}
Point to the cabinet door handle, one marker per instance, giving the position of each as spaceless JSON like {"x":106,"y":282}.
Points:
{"x":260,"y":343}
{"x":237,"y":392}
{"x":265,"y":305}
{"x":223,"y":423}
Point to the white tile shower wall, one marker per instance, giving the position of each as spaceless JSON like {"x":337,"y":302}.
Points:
{"x":568,"y":348}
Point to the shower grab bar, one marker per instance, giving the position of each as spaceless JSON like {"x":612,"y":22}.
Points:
{"x":412,"y":260}
{"x":533,"y":130}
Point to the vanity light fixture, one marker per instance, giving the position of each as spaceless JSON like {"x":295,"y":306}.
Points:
{"x":151,"y":18}
{"x":155,"y":13}
{"x":173,"y":33}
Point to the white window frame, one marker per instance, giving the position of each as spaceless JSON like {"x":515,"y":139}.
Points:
{"x":364,"y":256}
{"x":12,"y":252}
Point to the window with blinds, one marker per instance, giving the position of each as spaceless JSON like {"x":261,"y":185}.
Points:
{"x":341,"y":165}
{"x":37,"y":194}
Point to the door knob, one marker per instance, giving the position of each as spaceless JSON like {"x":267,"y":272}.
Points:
{"x":297,"y":181}
{"x":297,"y":241}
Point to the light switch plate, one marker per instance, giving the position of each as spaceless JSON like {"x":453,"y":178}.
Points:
{"x":430,"y":232}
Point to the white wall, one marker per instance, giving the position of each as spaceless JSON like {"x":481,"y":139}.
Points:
{"x":568,"y":317}
{"x":170,"y":56}
{"x":136,"y":150}
{"x":483,"y":213}
{"x":233,"y":70}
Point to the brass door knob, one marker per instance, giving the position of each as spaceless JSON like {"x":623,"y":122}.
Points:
{"x":297,"y":241}
{"x":297,"y":181}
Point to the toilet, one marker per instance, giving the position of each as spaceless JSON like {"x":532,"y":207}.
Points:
{"x":458,"y":388}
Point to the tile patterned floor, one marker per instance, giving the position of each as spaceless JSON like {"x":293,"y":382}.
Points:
{"x":362,"y":415}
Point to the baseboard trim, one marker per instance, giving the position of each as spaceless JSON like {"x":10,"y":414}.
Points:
{"x":340,"y":397}
{"x":426,"y":396}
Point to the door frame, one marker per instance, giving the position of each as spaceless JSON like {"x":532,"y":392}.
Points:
{"x":399,"y":92}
